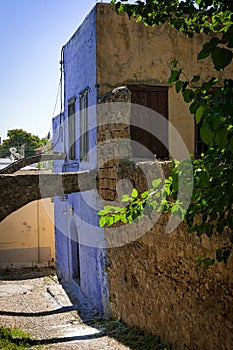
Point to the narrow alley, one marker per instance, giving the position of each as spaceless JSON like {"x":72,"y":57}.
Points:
{"x":32,"y":300}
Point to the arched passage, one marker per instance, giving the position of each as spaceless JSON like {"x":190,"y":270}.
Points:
{"x":20,"y":189}
{"x":21,"y":163}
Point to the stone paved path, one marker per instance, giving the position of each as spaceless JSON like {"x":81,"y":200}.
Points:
{"x":36,"y":303}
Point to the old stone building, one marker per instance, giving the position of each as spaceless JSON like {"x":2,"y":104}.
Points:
{"x":110,"y":64}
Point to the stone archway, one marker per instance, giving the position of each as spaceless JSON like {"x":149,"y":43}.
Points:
{"x":19,"y":189}
{"x":21,"y":163}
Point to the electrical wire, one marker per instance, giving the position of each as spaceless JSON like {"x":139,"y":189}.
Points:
{"x":57,"y":96}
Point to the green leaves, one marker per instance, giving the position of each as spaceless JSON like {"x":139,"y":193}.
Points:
{"x":208,"y":48}
{"x":231,"y":144}
{"x":221,"y":137}
{"x":134,"y":193}
{"x":206,"y":262}
{"x":111,"y":215}
{"x":227,"y":37}
{"x":125,"y":198}
{"x":175,"y":74}
{"x":195,"y":79}
{"x":179,"y":85}
{"x":206,"y":134}
{"x":137,"y":206}
{"x":199,"y":113}
{"x":188,"y":95}
{"x":156,"y":183}
{"x":221,"y":57}
{"x":160,"y":198}
{"x":224,"y":253}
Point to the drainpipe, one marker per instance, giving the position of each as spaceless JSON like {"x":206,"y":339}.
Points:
{"x":62,"y":100}
{"x":62,"y":73}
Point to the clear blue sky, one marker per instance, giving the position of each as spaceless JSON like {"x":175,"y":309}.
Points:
{"x":32,"y":33}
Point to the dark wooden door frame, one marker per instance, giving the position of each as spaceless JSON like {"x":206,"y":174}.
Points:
{"x":154,"y":98}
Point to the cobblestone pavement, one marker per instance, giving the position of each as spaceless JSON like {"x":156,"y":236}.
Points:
{"x":35,"y":302}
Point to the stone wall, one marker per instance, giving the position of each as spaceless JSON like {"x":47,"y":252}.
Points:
{"x":113,"y":138}
{"x":155,"y":283}
{"x":15,"y":166}
{"x":154,"y":280}
{"x":20,"y":189}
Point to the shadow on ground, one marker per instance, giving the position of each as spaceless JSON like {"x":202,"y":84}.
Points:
{"x":26,"y":273}
{"x":39,"y":314}
{"x":98,"y":327}
{"x":133,"y":338}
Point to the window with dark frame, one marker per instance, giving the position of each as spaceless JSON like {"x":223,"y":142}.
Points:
{"x":84,"y":138}
{"x":72,"y":128}
{"x":155,"y":98}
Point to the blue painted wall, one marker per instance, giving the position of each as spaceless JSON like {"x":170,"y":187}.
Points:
{"x":76,"y":217}
{"x":60,"y":205}
{"x":80,"y":74}
{"x":58,"y":140}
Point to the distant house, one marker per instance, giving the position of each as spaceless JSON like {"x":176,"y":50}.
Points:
{"x":4,"y":162}
{"x":27,"y":235}
{"x":107,"y":51}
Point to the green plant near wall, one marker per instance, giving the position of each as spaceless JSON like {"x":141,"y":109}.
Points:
{"x":211,"y":104}
{"x":14,"y":339}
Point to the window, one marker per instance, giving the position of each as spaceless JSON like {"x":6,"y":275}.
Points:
{"x":155,"y":98}
{"x":84,"y":125}
{"x":71,"y":128}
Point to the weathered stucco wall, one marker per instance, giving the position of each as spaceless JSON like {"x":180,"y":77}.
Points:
{"x":131,"y":53}
{"x":140,"y":54}
{"x":27,"y":236}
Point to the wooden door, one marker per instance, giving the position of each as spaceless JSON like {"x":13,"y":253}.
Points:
{"x":145,"y":123}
